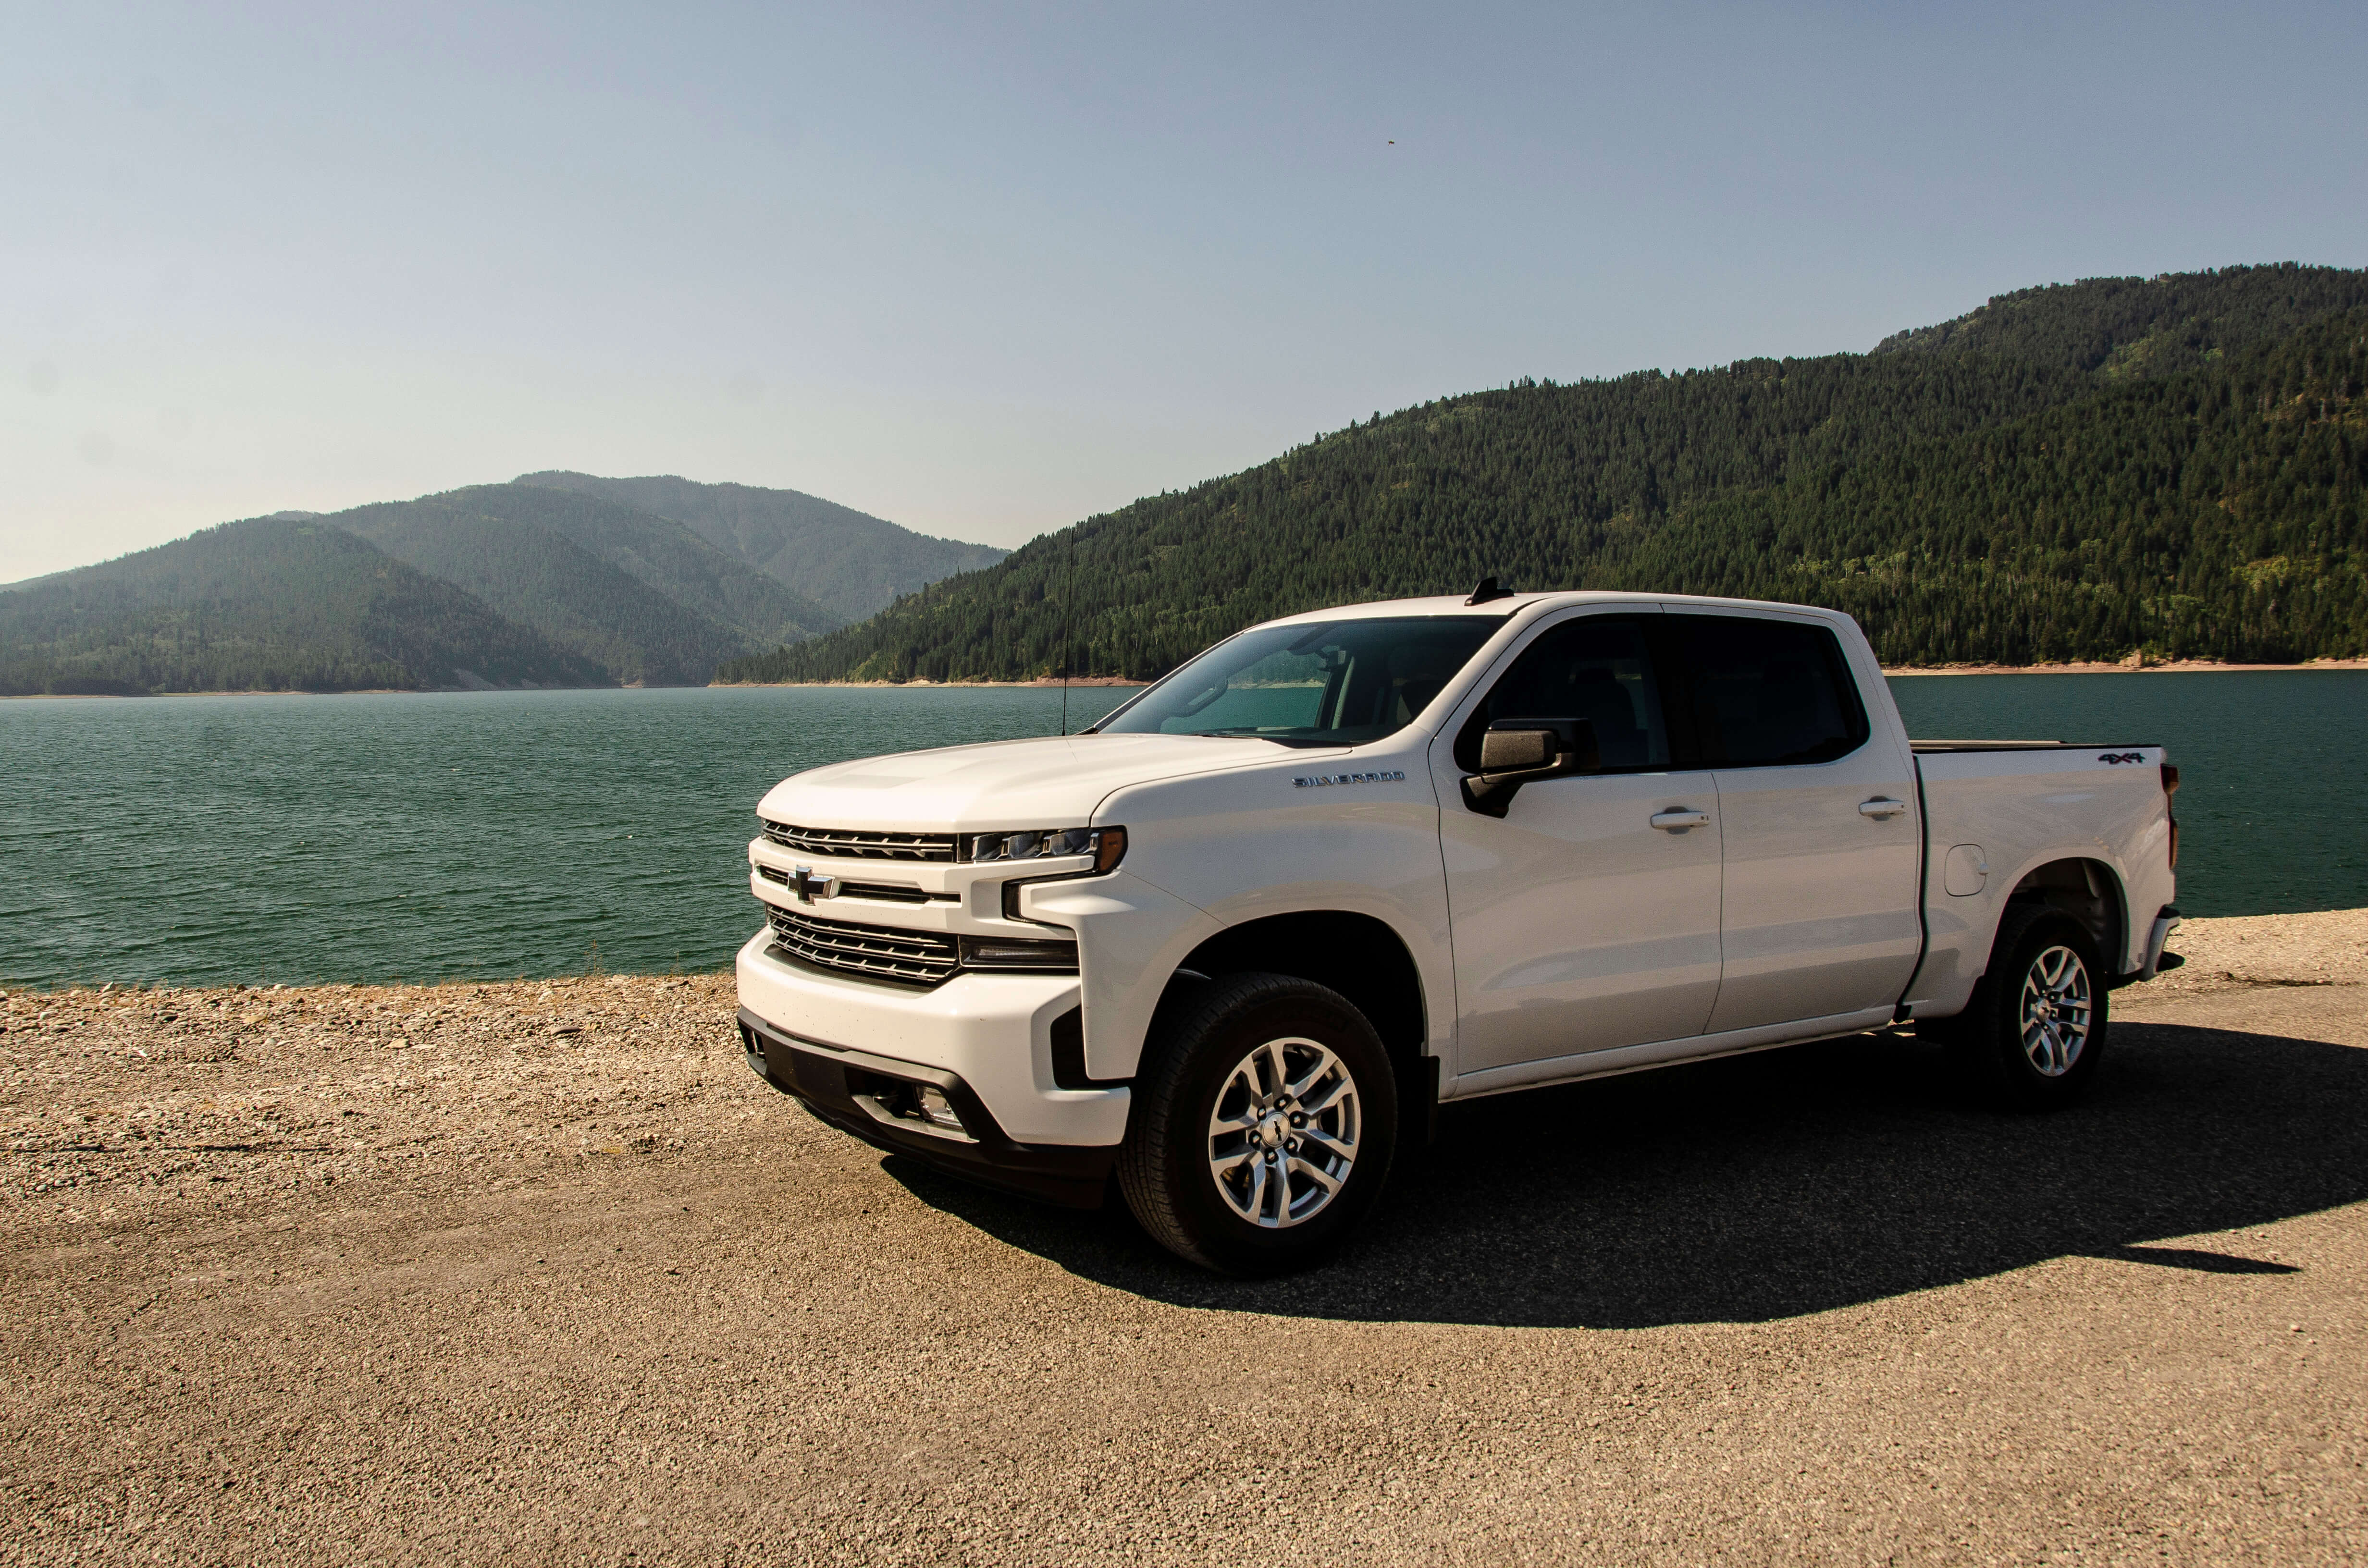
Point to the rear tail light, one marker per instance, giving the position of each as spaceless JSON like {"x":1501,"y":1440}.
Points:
{"x":2170,"y":799}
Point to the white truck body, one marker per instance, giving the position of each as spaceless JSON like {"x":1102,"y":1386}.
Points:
{"x":1605,"y":922}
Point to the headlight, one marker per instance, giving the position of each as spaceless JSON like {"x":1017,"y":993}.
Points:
{"x":1105,"y":845}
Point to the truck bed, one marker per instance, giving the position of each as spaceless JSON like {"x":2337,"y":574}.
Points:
{"x":2024,"y":808}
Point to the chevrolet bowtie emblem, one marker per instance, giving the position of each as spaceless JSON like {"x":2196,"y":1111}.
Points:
{"x":809,"y":887}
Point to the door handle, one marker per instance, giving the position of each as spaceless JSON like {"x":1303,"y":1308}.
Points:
{"x":1679,"y":820}
{"x":1881,"y":809}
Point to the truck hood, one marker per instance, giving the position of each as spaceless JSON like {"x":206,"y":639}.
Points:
{"x":1004,"y":785}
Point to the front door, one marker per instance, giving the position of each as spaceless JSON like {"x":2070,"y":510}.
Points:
{"x":1819,"y":819}
{"x":1578,"y":923}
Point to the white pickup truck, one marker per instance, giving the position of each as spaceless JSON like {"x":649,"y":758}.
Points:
{"x":1230,"y":944}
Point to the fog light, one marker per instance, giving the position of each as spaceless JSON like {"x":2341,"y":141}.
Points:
{"x":935,"y":1108}
{"x":1017,"y":952}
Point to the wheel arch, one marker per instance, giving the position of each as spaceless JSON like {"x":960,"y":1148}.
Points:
{"x":1360,"y":956}
{"x":2088,"y":888}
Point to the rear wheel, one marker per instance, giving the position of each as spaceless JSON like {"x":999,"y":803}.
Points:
{"x":1265,"y":1120}
{"x":2032,"y":1034}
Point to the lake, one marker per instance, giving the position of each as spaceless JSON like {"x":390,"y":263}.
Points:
{"x":211,"y":839}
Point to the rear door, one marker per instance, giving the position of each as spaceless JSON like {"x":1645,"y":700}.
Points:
{"x":1578,"y":923}
{"x":1817,"y":812}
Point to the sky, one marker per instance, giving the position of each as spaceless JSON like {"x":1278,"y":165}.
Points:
{"x":984,"y":271}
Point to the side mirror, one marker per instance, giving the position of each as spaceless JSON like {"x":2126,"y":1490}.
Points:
{"x":1514,"y":752}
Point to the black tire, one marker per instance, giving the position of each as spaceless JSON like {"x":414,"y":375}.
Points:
{"x":2002,"y":1049}
{"x":1167,"y":1168}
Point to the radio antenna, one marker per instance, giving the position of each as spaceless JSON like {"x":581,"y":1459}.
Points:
{"x":1064,"y":634}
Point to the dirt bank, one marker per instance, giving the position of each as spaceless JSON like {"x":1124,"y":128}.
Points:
{"x":539,"y":1273}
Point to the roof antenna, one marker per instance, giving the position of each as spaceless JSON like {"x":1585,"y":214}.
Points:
{"x":1065,"y":635}
{"x":1488,"y":590}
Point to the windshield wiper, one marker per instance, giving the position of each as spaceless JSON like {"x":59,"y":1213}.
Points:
{"x":1254,"y":733}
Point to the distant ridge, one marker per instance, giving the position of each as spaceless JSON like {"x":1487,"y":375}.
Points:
{"x":268,"y":604}
{"x":643,"y":596}
{"x":492,"y":584}
{"x":2127,"y":326}
{"x":2176,"y":464}
{"x":852,"y":563}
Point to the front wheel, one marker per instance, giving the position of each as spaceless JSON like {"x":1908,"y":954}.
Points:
{"x":2032,"y":1034}
{"x":1264,"y":1123}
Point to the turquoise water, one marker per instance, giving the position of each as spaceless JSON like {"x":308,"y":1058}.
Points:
{"x":2273,"y":767}
{"x":210,"y":839}
{"x":422,"y":837}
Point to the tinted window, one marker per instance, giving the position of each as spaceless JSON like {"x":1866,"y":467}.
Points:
{"x":1596,"y":669}
{"x":1768,"y":692}
{"x":1343,"y":683}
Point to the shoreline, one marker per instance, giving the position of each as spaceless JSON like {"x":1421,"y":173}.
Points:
{"x":2176,"y":666}
{"x":2308,"y":947}
{"x":513,"y":690}
{"x":2169,"y":666}
{"x":1040,"y":683}
{"x":2166,"y":667}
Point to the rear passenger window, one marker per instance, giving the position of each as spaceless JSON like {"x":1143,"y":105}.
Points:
{"x":1766,"y":693}
{"x":1595,"y":668}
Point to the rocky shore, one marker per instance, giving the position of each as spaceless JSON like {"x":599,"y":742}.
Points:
{"x":538,"y":1271}
{"x":121,"y":1104}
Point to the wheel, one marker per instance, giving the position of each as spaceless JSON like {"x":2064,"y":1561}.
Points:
{"x":2032,"y":1034}
{"x":1264,"y":1121}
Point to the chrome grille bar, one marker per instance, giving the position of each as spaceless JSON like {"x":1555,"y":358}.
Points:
{"x":924,"y":958}
{"x":846,"y":843}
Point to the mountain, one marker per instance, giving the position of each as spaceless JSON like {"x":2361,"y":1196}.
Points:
{"x":2125,"y":328}
{"x":642,"y":595}
{"x":2175,"y":464}
{"x":851,"y":562}
{"x":268,"y":603}
{"x":500,"y":583}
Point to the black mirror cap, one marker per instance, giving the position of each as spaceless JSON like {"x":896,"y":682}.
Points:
{"x":1514,"y":752}
{"x":1504,"y":749}
{"x":1565,"y":745}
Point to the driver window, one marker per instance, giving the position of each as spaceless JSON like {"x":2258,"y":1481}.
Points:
{"x":1594,"y":668}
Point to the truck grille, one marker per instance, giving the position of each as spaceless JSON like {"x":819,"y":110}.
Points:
{"x":885,"y":952}
{"x":887,"y":892}
{"x":848,"y":844}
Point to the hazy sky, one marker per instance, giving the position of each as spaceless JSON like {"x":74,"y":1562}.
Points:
{"x":985,"y":273}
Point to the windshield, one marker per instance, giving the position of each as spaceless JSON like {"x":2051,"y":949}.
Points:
{"x":1338,"y":684}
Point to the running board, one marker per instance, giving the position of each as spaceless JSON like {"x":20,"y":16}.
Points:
{"x":1661,"y":1054}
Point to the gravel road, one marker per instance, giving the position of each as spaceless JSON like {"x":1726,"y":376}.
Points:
{"x":533,"y":1273}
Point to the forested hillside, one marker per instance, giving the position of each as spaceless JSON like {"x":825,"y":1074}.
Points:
{"x":849,"y":562}
{"x":502,"y":584}
{"x":2173,"y":464}
{"x":272,"y":604}
{"x":641,"y":595}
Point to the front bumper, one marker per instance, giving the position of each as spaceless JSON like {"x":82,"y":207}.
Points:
{"x":845,"y":1046}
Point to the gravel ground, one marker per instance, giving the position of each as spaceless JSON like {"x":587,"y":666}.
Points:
{"x":540,"y":1273}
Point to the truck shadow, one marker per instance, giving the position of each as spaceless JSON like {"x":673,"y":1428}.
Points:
{"x":1789,"y":1182}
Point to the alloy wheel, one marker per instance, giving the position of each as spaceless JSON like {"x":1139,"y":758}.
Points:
{"x":1284,"y":1132}
{"x":2057,"y":1010}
